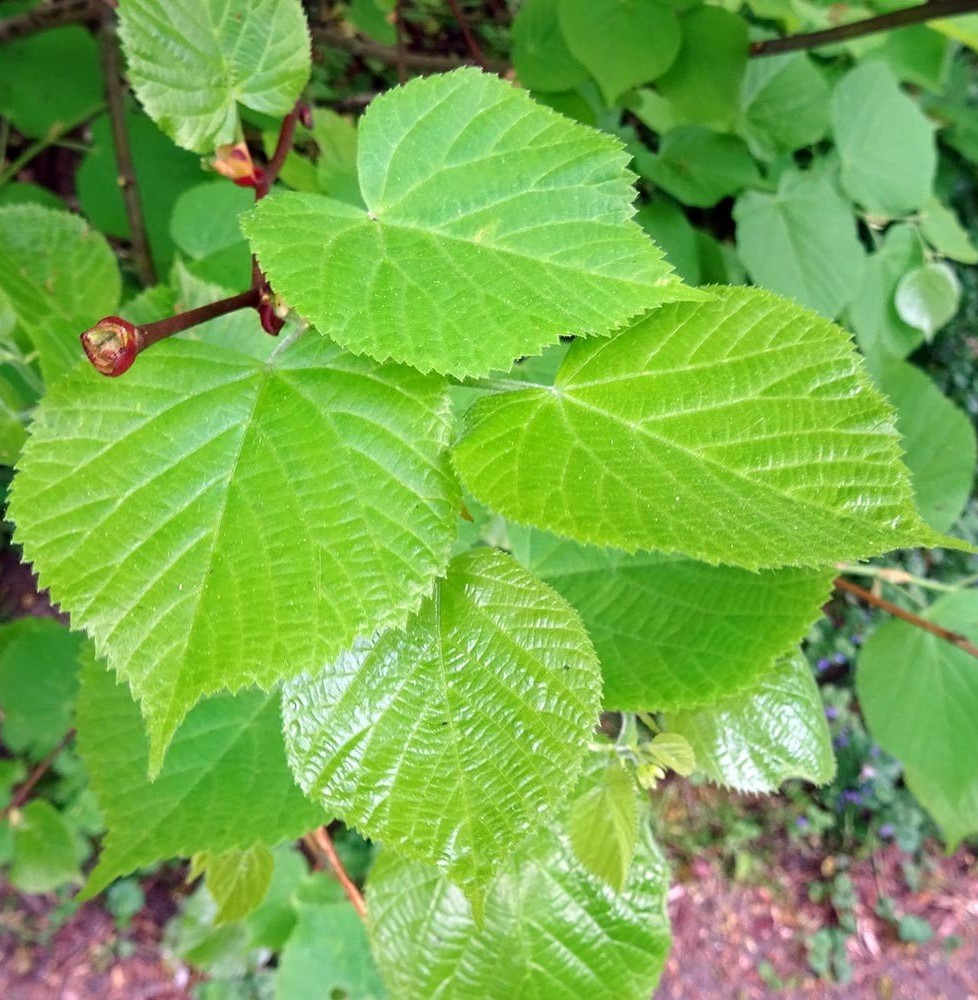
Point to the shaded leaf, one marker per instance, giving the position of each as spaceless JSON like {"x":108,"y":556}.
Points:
{"x":46,"y":852}
{"x":945,"y":233}
{"x":928,"y":297}
{"x":541,"y":57}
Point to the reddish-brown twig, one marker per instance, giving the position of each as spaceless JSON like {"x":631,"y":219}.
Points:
{"x":470,"y":41}
{"x":954,"y":638}
{"x":324,"y":842}
{"x":20,"y":796}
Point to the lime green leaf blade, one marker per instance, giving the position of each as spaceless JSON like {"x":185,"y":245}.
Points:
{"x":755,"y":740}
{"x":939,"y":441}
{"x":928,"y":297}
{"x":550,"y":928}
{"x":192,"y":62}
{"x":60,"y":277}
{"x":622,"y":43}
{"x":919,"y":695}
{"x":46,"y":852}
{"x":741,"y":430}
{"x":802,"y":242}
{"x":493,"y":226}
{"x":225,"y":784}
{"x":541,"y":57}
{"x":603,"y":824}
{"x":38,"y":684}
{"x":671,"y":632}
{"x":237,"y":879}
{"x":217,"y":522}
{"x":449,"y":741}
{"x":885,"y":142}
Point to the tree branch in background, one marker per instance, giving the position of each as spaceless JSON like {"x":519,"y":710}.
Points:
{"x":49,"y":15}
{"x":20,"y":796}
{"x":868,"y":26}
{"x":111,"y":67}
{"x":868,"y":597}
{"x":322,"y":842}
{"x":477,"y":53}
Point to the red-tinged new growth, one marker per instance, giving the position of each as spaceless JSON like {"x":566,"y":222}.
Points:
{"x":112,"y":345}
{"x":235,"y":163}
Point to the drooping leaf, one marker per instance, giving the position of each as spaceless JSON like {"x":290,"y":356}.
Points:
{"x":60,"y":277}
{"x":919,"y":696}
{"x":551,"y":928}
{"x":671,"y":632}
{"x":38,"y":683}
{"x":327,"y":954}
{"x":237,"y":879}
{"x":938,"y":440}
{"x":802,"y":242}
{"x":928,"y":297}
{"x":46,"y":852}
{"x":741,"y":430}
{"x":449,"y":741}
{"x":885,"y":142}
{"x":493,"y":226}
{"x":757,"y":739}
{"x":873,"y":314}
{"x":699,"y":166}
{"x":216,"y":522}
{"x":945,"y":233}
{"x":192,"y":62}
{"x":622,"y":43}
{"x":703,"y":84}
{"x":784,"y":104}
{"x":603,"y":823}
{"x":225,"y":784}
{"x":541,"y":57}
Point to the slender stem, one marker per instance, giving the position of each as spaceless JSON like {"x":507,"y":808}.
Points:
{"x":49,"y":16}
{"x":867,"y":596}
{"x":477,"y":53}
{"x":325,"y":844}
{"x":20,"y":796}
{"x":153,"y":333}
{"x":283,"y":147}
{"x":898,"y":577}
{"x":109,"y":45}
{"x":54,"y":136}
{"x":868,"y":26}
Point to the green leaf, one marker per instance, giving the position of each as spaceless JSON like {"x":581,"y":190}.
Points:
{"x":225,"y":784}
{"x":493,"y":226}
{"x":336,"y":165}
{"x":541,"y":57}
{"x":374,"y":19}
{"x":802,"y":242}
{"x":60,"y":277}
{"x":956,"y":815}
{"x":672,"y":751}
{"x":885,"y":142}
{"x":46,"y":853}
{"x":551,"y":928}
{"x":755,"y":740}
{"x":703,"y":84}
{"x":217,"y":522}
{"x":928,"y":297}
{"x":670,"y":632}
{"x":919,"y":696}
{"x":945,"y":233}
{"x":328,"y":954}
{"x":25,"y":193}
{"x":741,"y":430}
{"x":784,"y":104}
{"x":622,"y":43}
{"x":699,"y":167}
{"x":603,"y":824}
{"x":880,"y":331}
{"x":192,"y":62}
{"x":237,"y":879}
{"x":205,"y":218}
{"x":938,"y":441}
{"x":452,"y":739}
{"x":38,"y":683}
{"x":160,"y":168}
{"x":667,"y":224}
{"x":50,"y":82}
{"x":918,"y":55}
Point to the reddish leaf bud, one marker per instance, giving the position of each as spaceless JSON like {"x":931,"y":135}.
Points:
{"x":112,"y":345}
{"x":271,"y":322}
{"x":305,"y":114}
{"x":235,"y":163}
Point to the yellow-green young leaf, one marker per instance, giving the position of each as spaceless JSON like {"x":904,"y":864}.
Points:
{"x":673,"y":751}
{"x":450,"y":740}
{"x":621,"y":42}
{"x":551,"y":929}
{"x":602,"y":823}
{"x":59,"y":276}
{"x":741,"y":430}
{"x":237,"y":879}
{"x":919,"y":695}
{"x":671,"y":632}
{"x":192,"y":62}
{"x":216,"y":522}
{"x":757,"y":739}
{"x":493,"y":226}
{"x":225,"y":785}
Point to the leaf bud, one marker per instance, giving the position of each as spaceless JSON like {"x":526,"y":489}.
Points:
{"x":112,"y":345}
